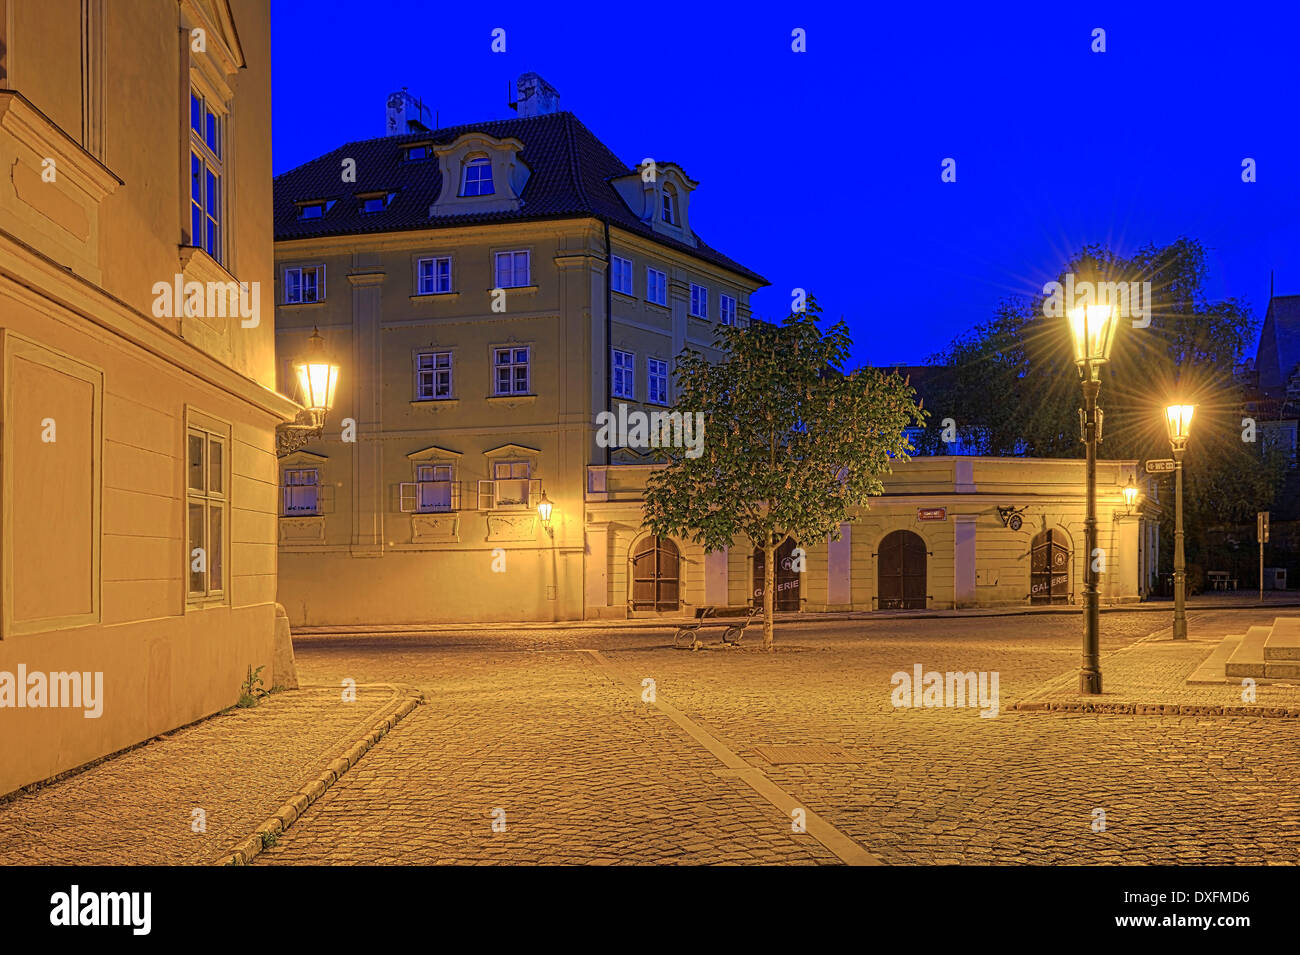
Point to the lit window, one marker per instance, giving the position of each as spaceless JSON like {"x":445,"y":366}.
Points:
{"x":433,"y":375}
{"x":656,"y":374}
{"x":669,"y":212}
{"x":301,"y":492}
{"x":478,"y":178}
{"x":206,"y":171}
{"x":434,"y":490}
{"x":511,"y":483}
{"x":434,"y":275}
{"x":699,"y":301}
{"x":726,"y":310}
{"x":512,"y":269}
{"x":656,"y":287}
{"x":620,"y":275}
{"x":376,"y":203}
{"x":304,"y":285}
{"x":624,"y":384}
{"x":510,"y":371}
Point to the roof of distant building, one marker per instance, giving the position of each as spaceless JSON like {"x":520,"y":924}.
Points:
{"x":570,"y":173}
{"x":1279,"y":344}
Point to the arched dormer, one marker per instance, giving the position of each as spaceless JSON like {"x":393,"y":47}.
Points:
{"x":659,"y":194}
{"x":480,"y":173}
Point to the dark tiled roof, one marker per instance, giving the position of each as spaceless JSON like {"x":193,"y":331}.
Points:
{"x":570,"y":177}
{"x":1279,"y":344}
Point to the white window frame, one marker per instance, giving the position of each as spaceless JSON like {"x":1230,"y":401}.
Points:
{"x":512,"y":364}
{"x":622,"y":377}
{"x":434,"y":287}
{"x":477,"y":162}
{"x":656,"y":380}
{"x":699,"y":301}
{"x":289,"y":490}
{"x":294,"y":289}
{"x":211,"y":160}
{"x":621,"y":268}
{"x":519,"y":477}
{"x":651,"y":285}
{"x":726,"y":308}
{"x":209,"y":501}
{"x":668,"y":206}
{"x":434,"y":490}
{"x":511,"y":272}
{"x":434,"y":368}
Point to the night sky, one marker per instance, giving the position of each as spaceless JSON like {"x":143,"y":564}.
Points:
{"x":822,"y":169}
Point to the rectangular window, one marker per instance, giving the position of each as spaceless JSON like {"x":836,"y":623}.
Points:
{"x":511,"y":480}
{"x":656,"y":381}
{"x":433,"y":375}
{"x":206,"y":171}
{"x":304,"y":285}
{"x":512,"y":269}
{"x":374,"y":204}
{"x":624,"y":383}
{"x":620,"y":275}
{"x":510,"y":371}
{"x":433,"y":484}
{"x":206,"y":506}
{"x":301,"y":492}
{"x":656,"y":286}
{"x":726,"y":310}
{"x":416,"y":153}
{"x":699,"y":301}
{"x":434,"y":275}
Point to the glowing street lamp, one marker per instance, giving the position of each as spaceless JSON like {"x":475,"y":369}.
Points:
{"x":544,"y":507}
{"x":1092,"y":328}
{"x":318,"y":379}
{"x":1178,"y":421}
{"x":1130,"y":494}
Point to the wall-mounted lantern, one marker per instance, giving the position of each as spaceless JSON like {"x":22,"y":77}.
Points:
{"x":318,"y":378}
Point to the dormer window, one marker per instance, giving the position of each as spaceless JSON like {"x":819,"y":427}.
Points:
{"x":415,"y":153}
{"x":477,"y":179}
{"x":669,"y":211}
{"x":376,"y":202}
{"x":314,"y":210}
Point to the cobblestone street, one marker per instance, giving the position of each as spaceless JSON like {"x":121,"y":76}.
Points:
{"x":550,"y":736}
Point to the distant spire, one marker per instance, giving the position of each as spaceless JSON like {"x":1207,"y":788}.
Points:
{"x":1270,"y":285}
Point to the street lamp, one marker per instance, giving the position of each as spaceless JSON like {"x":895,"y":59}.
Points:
{"x":1093,"y":329}
{"x":318,"y":378}
{"x":1130,"y":494}
{"x":544,"y":512}
{"x":1178,"y":420}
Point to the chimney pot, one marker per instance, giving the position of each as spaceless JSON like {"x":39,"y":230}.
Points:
{"x":405,"y":114}
{"x":536,"y":96}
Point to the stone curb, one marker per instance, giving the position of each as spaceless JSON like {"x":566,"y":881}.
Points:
{"x":1158,"y":709}
{"x":244,"y":852}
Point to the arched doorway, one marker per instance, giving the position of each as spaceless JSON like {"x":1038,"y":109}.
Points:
{"x":787,"y":578}
{"x":1049,"y":568}
{"x":901,"y":572}
{"x":656,"y":575}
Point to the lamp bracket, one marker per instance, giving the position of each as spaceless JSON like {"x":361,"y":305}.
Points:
{"x":307,"y":426}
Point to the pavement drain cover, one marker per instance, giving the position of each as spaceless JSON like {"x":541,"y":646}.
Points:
{"x":805,"y":753}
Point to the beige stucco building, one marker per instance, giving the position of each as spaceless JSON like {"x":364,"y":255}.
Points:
{"x":139,"y":496}
{"x":489,"y":290}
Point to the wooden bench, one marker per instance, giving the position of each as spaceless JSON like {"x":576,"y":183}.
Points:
{"x":687,"y":637}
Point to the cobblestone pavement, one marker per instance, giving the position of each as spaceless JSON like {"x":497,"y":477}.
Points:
{"x":237,"y":767}
{"x":585,"y":771}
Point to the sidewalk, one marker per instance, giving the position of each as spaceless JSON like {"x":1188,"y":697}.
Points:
{"x":1160,"y":676}
{"x":226,"y":777}
{"x":1241,"y":600}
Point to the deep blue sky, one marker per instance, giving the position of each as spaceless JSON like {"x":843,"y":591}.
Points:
{"x":822,"y":169}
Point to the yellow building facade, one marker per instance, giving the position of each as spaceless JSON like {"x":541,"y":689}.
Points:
{"x":139,"y":498}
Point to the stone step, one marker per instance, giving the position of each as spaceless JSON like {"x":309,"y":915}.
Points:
{"x":1286,"y":670}
{"x":1283,"y":644}
{"x":1248,"y":658}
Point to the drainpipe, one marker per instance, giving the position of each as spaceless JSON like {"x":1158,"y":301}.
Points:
{"x":609,"y":327}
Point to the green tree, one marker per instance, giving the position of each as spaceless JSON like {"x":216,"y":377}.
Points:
{"x":1012,"y":387}
{"x":792,"y":441}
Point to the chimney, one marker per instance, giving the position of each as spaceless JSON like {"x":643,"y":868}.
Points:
{"x":536,"y":96}
{"x":405,"y":114}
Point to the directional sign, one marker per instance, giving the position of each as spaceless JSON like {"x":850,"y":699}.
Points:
{"x":932,"y":513}
{"x":1157,"y":467}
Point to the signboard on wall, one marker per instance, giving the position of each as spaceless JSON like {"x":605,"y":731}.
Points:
{"x":932,"y":513}
{"x":1161,"y":466}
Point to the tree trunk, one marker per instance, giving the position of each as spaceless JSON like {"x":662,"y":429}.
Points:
{"x":769,"y":590}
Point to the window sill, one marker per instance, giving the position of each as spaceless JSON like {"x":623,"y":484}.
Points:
{"x":514,"y":288}
{"x":630,"y":296}
{"x":297,"y":305}
{"x":424,"y":296}
{"x":438,"y":403}
{"x":657,"y":305}
{"x":511,"y":401}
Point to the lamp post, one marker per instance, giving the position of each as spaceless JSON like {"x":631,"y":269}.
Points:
{"x":544,"y":512}
{"x":1093,"y":329}
{"x":1178,"y":419}
{"x":318,"y":378}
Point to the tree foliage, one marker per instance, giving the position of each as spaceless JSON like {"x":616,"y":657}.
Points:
{"x":792,"y":440}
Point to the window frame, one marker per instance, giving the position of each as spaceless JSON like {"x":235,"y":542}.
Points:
{"x":415,"y":494}
{"x":477,"y":161}
{"x":212,"y":433}
{"x":652,"y":376}
{"x":528,"y":268}
{"x":668,"y":207}
{"x":512,"y":364}
{"x":433,"y":370}
{"x":212,"y":160}
{"x":624,"y":372}
{"x":434,"y":260}
{"x":285,"y":485}
{"x":701,"y":300}
{"x":300,"y":269}
{"x":663,"y":286}
{"x":625,"y":267}
{"x":724,"y":312}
